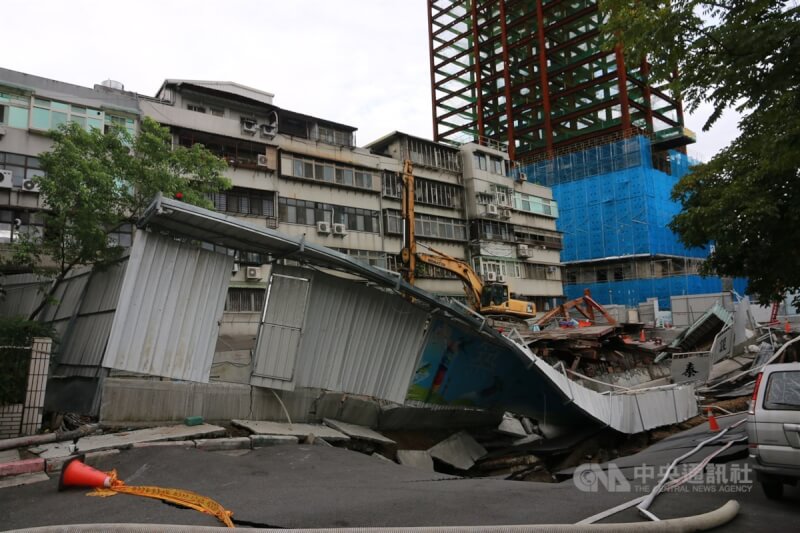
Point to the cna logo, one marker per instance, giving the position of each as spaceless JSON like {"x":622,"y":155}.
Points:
{"x":589,"y":477}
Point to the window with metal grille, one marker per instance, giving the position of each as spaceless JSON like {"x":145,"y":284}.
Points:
{"x":244,"y":300}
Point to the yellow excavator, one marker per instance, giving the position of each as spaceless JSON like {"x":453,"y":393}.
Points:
{"x":488,"y":299}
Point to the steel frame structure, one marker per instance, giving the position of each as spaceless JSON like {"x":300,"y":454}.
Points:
{"x":534,"y":74}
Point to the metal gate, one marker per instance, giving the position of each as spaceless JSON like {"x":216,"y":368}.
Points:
{"x":279,"y":332}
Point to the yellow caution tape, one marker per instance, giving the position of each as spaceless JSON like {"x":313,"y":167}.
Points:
{"x":185,"y":498}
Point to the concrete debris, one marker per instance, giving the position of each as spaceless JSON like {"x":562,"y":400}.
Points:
{"x":235,"y":443}
{"x":416,"y":458}
{"x":127,"y":438}
{"x":23,"y":479}
{"x":348,"y":408}
{"x":317,"y":441}
{"x":383,"y":458}
{"x":459,"y":450}
{"x":358,"y":432}
{"x":165,"y":444}
{"x":529,"y":426}
{"x":265,"y":427}
{"x":261,"y":441}
{"x":507,"y":462}
{"x":511,"y":426}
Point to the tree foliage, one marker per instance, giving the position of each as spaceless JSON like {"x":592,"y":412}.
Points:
{"x":743,"y":55}
{"x":95,"y":182}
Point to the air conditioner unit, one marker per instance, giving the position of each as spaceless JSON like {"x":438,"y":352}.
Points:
{"x":505,"y":213}
{"x":29,"y":186}
{"x":262,"y":160}
{"x":523,"y":250}
{"x":552,"y":269}
{"x":268,"y":130}
{"x":5,"y":179}
{"x":501,"y":278}
{"x":324,"y":227}
{"x":253,"y":273}
{"x":491,"y":276}
{"x":235,"y":268}
{"x":522,"y":177}
{"x":491,"y":210}
{"x":249,"y":126}
{"x":339,"y":229}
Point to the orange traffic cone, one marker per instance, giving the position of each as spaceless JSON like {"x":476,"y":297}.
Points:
{"x":787,"y":327}
{"x":77,"y":474}
{"x":712,"y":421}
{"x":642,"y":338}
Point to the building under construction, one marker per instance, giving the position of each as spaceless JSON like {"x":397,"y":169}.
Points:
{"x":577,"y":116}
{"x":535,"y":74}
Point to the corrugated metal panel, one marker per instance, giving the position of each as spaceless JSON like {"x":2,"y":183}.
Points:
{"x":67,"y":296}
{"x":358,"y":339}
{"x":167,"y":316}
{"x":279,"y":334}
{"x":23,"y":292}
{"x":85,"y":342}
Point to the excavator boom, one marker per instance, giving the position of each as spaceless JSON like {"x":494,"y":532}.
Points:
{"x":491,"y":299}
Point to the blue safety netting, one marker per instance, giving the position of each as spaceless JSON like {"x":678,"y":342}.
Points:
{"x":623,"y":210}
{"x":614,"y":203}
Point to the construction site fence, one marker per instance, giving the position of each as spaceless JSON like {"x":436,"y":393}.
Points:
{"x":631,"y":292}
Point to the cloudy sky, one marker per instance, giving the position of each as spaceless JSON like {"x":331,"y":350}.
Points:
{"x":359,"y":62}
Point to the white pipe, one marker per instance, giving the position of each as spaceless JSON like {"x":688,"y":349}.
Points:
{"x":652,"y":496}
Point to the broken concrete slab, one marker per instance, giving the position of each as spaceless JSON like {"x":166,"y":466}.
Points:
{"x":261,"y":441}
{"x":511,"y":426}
{"x":459,"y":450}
{"x":317,"y":441}
{"x":358,"y":432}
{"x":407,"y":417}
{"x":350,"y":409}
{"x":165,"y":444}
{"x":235,"y":443}
{"x":23,"y":479}
{"x":383,"y":458}
{"x":417,"y":458}
{"x":126,"y":439}
{"x":265,"y":427}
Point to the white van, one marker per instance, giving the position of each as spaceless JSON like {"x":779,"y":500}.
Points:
{"x":773,"y":427}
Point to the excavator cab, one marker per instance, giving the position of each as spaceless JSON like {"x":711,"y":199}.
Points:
{"x":494,"y":294}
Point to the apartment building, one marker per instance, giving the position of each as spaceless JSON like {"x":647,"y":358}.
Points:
{"x":29,"y":107}
{"x":306,"y":176}
{"x":512,"y":223}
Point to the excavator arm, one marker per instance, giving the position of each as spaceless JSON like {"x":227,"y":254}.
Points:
{"x":473,"y":285}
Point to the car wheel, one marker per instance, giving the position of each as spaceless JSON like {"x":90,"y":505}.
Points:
{"x":772,"y":489}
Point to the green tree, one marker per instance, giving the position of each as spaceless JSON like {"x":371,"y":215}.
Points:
{"x":95,"y":182}
{"x":731,"y":54}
